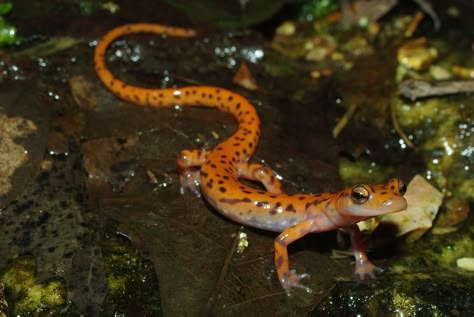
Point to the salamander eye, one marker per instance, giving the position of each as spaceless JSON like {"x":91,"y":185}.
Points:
{"x":359,"y":195}
{"x":402,"y":188}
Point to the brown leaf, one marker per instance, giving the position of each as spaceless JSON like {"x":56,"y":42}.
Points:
{"x":243,"y":77}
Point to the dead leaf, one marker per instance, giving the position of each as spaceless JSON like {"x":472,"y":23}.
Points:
{"x":243,"y":77}
{"x":83,"y":93}
{"x":12,"y":155}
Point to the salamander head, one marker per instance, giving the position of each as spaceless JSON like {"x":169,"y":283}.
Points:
{"x":373,"y":200}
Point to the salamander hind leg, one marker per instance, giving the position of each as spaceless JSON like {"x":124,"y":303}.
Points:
{"x":262,"y":174}
{"x":189,"y":162}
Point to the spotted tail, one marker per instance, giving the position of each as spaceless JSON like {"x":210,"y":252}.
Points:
{"x":208,"y":96}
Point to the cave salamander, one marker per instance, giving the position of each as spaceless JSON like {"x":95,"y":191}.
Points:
{"x":217,"y":173}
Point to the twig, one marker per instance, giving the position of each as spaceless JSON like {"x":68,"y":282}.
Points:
{"x":344,"y":120}
{"x":224,"y":270}
{"x":415,"y":89}
{"x":414,"y":23}
{"x":397,"y":127}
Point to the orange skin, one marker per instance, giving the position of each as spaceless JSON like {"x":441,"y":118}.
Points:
{"x":216,"y":173}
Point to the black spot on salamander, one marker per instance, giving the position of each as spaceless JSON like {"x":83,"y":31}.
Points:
{"x":392,"y":187}
{"x":237,"y":106}
{"x":136,"y":97}
{"x":223,"y":162}
{"x":272,"y":196}
{"x":234,"y":201}
{"x":226,"y":177}
{"x":194,"y":92}
{"x":220,"y":182}
{"x":219,"y":148}
{"x":290,"y":208}
{"x":314,"y":202}
{"x":250,"y":145}
{"x":275,"y":209}
{"x":246,"y":191}
{"x":160,"y":95}
{"x":213,"y":165}
{"x":372,"y":188}
{"x":230,"y":98}
{"x":222,"y":189}
{"x":262,"y":204}
{"x":242,"y":187}
{"x":209,"y":183}
{"x":301,"y":197}
{"x":244,"y":151}
{"x":279,"y":261}
{"x":383,"y":193}
{"x":186,"y":93}
{"x":309,"y":204}
{"x":204,"y":174}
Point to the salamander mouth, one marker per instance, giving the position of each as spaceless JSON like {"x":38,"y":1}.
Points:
{"x":386,"y":207}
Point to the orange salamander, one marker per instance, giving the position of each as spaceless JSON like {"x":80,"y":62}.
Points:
{"x":216,"y":173}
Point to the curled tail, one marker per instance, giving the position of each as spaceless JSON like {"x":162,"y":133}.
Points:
{"x":208,"y":96}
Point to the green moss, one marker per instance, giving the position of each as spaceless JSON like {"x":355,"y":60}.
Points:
{"x":133,"y":286}
{"x":400,"y":296}
{"x":438,"y":252}
{"x":311,"y":9}
{"x":460,"y":248}
{"x":7,"y":32}
{"x":363,"y":171}
{"x":440,"y":128}
{"x":29,"y":297}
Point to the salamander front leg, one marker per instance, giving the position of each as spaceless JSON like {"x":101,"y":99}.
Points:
{"x":260,"y":173}
{"x":289,"y":279}
{"x":189,"y":162}
{"x":364,"y":268}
